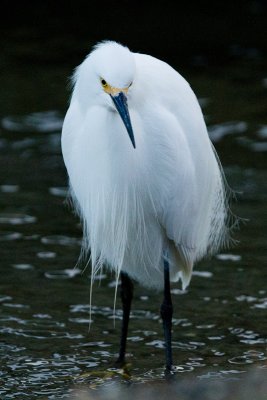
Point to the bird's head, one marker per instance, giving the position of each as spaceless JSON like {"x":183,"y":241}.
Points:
{"x":107,"y":75}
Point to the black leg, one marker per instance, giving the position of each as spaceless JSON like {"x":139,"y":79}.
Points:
{"x":166,"y":315}
{"x":126,"y":298}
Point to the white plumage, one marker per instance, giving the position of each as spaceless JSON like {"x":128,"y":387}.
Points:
{"x":163,"y":199}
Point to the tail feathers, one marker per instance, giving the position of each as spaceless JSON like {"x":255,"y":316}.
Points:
{"x":182,"y":257}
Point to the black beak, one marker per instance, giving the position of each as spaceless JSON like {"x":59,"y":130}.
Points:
{"x":120,"y":101}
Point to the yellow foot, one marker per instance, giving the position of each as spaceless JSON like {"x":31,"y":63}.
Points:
{"x":100,"y":376}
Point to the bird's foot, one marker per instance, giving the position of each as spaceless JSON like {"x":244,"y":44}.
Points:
{"x":99,"y":376}
{"x":122,"y":367}
{"x":169,"y":371}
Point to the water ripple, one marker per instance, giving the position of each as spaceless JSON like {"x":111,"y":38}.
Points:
{"x":160,"y":344}
{"x":46,"y":121}
{"x":203,"y":274}
{"x":46,"y":254}
{"x":5,"y":298}
{"x":58,"y":191}
{"x":63,"y":274}
{"x":262,"y":132}
{"x":248,"y":336}
{"x":9,"y":188}
{"x":258,"y":146}
{"x":228,"y":257}
{"x":135,"y":338}
{"x":248,"y":357}
{"x":146,"y":333}
{"x":42,"y":334}
{"x":14,"y":305}
{"x":247,"y":299}
{"x":218,"y":132}
{"x":61,"y":240}
{"x":81,"y":320}
{"x":16,"y":219}
{"x":10,"y":236}
{"x":23,"y":267}
{"x":262,"y":304}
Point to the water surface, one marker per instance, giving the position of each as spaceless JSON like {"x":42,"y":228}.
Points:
{"x":46,"y":347}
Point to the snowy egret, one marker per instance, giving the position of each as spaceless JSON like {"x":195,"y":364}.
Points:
{"x":153,"y":201}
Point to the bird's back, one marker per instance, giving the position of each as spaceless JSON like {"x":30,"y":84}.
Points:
{"x":186,"y":176}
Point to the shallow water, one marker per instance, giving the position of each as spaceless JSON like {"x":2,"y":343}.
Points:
{"x":219,"y":322}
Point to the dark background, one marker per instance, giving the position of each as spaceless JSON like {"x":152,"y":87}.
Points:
{"x":191,"y":33}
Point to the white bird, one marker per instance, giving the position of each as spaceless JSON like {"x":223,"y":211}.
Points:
{"x":152,"y":202}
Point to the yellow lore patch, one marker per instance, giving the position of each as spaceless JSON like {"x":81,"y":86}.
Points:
{"x":111,"y":89}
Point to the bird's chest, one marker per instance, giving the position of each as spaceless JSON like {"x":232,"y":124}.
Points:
{"x":116,"y":184}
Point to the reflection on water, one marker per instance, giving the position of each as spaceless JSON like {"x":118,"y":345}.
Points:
{"x":45,"y":344}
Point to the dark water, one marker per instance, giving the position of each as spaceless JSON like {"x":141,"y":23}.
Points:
{"x":219,"y":323}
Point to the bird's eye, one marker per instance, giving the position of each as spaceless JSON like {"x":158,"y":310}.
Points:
{"x":103,"y":82}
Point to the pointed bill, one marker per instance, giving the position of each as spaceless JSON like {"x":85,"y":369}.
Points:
{"x":120,"y":101}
